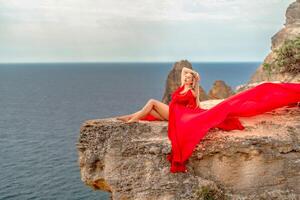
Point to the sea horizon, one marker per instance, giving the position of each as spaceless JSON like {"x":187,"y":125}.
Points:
{"x":63,"y":63}
{"x":72,"y":62}
{"x":44,"y":104}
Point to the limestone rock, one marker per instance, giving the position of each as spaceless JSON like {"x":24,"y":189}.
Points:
{"x":220,"y":90}
{"x":129,"y":160}
{"x":290,"y":31}
{"x":244,"y":87}
{"x":293,"y":14}
{"x":202,"y":94}
{"x":174,"y":81}
{"x":292,"y":26}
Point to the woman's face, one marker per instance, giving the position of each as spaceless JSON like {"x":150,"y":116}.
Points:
{"x":188,"y":79}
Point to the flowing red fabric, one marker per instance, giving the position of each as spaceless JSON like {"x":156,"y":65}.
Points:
{"x":188,"y":124}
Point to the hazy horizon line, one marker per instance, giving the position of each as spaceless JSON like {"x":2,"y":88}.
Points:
{"x":233,"y":61}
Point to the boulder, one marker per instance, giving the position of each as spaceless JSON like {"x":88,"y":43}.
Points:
{"x":220,"y":90}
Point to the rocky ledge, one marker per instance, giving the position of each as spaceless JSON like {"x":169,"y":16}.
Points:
{"x":129,"y":160}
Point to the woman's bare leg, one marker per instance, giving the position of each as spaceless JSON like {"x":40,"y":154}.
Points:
{"x":161,"y":108}
{"x":152,"y":112}
{"x":127,"y":117}
{"x":156,"y":114}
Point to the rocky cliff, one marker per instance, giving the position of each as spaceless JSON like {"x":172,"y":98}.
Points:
{"x":260,"y":162}
{"x":290,"y":30}
{"x":129,"y":160}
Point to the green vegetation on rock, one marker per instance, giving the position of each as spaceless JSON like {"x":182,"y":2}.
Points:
{"x":287,"y":59}
{"x":209,"y":193}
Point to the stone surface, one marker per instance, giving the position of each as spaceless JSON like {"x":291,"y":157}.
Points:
{"x":129,"y":160}
{"x":290,"y":30}
{"x":293,"y":14}
{"x":260,"y":162}
{"x":220,"y":90}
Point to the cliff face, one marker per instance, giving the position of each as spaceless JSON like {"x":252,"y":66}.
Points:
{"x":129,"y":160}
{"x":292,"y":25}
{"x":290,"y":30}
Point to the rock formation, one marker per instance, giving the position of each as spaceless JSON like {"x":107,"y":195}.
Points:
{"x":220,"y":90}
{"x":260,"y":162}
{"x":174,"y":80}
{"x":290,"y":31}
{"x":129,"y":160}
{"x":292,"y":25}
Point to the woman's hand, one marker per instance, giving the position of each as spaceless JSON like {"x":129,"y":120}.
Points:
{"x":197,"y":76}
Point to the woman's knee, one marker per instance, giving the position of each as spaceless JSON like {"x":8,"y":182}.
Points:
{"x":152,"y":101}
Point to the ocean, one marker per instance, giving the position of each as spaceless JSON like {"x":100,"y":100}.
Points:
{"x":44,"y":104}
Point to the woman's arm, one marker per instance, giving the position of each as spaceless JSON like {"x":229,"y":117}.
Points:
{"x":184,"y":71}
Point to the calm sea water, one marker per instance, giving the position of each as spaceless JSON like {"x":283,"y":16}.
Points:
{"x":43,"y":105}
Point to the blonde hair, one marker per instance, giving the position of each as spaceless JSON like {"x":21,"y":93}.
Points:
{"x":195,"y":86}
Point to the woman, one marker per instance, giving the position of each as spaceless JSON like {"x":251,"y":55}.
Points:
{"x":188,"y":123}
{"x":157,"y":110}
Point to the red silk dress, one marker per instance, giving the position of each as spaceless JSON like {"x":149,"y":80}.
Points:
{"x":188,"y":124}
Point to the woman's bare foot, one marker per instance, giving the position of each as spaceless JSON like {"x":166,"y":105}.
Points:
{"x":124,"y":118}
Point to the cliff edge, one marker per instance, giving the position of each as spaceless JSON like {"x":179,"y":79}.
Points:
{"x":129,"y":160}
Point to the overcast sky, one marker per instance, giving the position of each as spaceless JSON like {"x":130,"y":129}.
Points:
{"x":138,"y":30}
